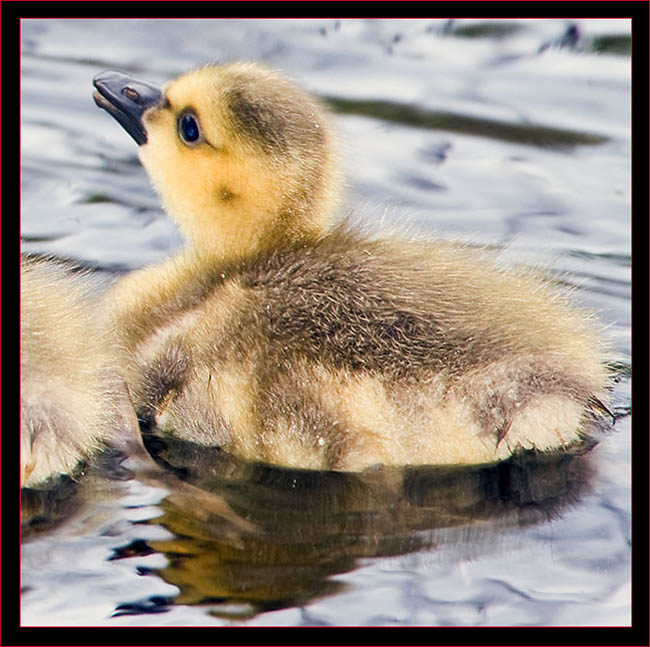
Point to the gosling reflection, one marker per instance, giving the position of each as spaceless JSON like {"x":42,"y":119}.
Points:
{"x":308,"y":526}
{"x":65,"y":496}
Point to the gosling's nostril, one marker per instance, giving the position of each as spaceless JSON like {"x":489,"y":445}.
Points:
{"x":130,"y":93}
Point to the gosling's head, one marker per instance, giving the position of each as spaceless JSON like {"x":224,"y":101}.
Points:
{"x":243,"y":159}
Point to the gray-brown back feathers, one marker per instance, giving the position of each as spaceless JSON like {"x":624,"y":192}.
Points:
{"x":411,"y":326}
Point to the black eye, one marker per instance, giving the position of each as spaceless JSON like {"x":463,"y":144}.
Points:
{"x":188,"y":127}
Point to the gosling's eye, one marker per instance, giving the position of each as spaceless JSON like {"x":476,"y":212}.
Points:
{"x":188,"y":128}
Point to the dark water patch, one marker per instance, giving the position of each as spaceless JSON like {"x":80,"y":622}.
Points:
{"x":137,"y":548}
{"x":436,"y":154}
{"x":492,"y":29}
{"x":26,"y":238}
{"x":619,"y":44}
{"x":603,"y":280}
{"x":45,"y":507}
{"x":568,"y":40}
{"x":414,"y":117}
{"x":592,"y":283}
{"x":96,"y":198}
{"x":574,"y":39}
{"x":622,"y":412}
{"x":422,"y":183}
{"x":623,"y":260}
{"x":155,"y":604}
{"x":620,"y":370}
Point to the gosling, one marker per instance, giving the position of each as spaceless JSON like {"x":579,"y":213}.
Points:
{"x":283,"y":337}
{"x":72,"y":398}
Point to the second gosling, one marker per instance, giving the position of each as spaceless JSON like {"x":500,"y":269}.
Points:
{"x":73,"y":400}
{"x":283,"y":337}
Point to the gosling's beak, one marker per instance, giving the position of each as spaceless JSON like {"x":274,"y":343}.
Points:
{"x":126,"y":99}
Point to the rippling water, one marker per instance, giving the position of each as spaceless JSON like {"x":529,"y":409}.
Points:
{"x":514,"y":134}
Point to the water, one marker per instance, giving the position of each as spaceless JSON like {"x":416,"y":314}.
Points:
{"x":514,"y":134}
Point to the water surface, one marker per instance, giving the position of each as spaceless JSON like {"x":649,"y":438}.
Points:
{"x":514,"y":134}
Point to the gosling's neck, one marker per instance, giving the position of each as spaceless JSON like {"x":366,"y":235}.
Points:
{"x":237,"y":226}
{"x":226,"y":235}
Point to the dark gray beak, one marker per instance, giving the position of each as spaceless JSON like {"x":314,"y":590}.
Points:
{"x":126,"y":99}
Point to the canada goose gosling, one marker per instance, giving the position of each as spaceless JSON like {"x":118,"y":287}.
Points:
{"x":72,"y":398}
{"x":283,"y":338}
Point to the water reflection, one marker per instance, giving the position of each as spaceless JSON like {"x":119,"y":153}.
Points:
{"x":61,"y":498}
{"x":416,"y":117}
{"x":44,"y":509}
{"x":304,"y":527}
